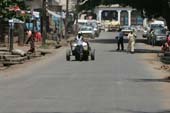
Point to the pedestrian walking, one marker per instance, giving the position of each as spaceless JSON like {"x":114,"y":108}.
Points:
{"x":120,"y":41}
{"x":55,"y":35}
{"x":31,"y":40}
{"x":131,"y":42}
{"x":152,"y":37}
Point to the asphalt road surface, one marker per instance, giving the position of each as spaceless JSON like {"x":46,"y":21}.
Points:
{"x":116,"y":82}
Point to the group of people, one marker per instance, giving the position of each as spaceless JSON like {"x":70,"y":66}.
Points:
{"x":131,"y":41}
{"x":120,"y":41}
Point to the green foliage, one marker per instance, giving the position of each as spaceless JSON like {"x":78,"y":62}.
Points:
{"x":6,"y":4}
{"x":151,"y":7}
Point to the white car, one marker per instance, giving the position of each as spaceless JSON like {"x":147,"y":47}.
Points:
{"x":126,"y":30}
{"x":94,"y":25}
{"x":145,"y":33}
{"x":88,"y":32}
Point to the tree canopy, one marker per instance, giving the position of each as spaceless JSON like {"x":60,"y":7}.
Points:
{"x":152,"y":8}
{"x":6,"y":6}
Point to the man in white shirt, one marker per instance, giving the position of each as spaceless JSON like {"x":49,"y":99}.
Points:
{"x":79,"y":39}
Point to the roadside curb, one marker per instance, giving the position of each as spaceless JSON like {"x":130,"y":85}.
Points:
{"x":40,"y":52}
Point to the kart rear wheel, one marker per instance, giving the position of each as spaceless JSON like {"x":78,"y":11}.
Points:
{"x":68,"y":55}
{"x":86,"y":58}
{"x":77,"y":58}
{"x":92,"y":54}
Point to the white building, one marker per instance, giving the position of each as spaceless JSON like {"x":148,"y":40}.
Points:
{"x":124,"y":15}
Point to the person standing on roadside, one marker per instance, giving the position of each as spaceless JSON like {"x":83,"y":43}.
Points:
{"x":131,"y":42}
{"x":152,"y":37}
{"x":120,"y":41}
{"x":55,"y":35}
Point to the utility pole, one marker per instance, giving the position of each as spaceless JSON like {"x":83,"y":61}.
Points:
{"x":77,"y":17}
{"x":11,"y":40}
{"x":43,"y":22}
{"x":66,"y":20}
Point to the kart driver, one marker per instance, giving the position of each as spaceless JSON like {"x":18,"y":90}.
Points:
{"x":79,"y":39}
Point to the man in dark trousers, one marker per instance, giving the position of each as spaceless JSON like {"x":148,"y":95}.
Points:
{"x":30,"y":39}
{"x":120,"y":41}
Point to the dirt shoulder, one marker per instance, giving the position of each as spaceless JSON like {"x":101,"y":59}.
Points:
{"x":18,"y":69}
{"x":10,"y":71}
{"x":152,"y":59}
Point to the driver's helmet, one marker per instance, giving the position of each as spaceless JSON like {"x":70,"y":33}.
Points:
{"x":79,"y":34}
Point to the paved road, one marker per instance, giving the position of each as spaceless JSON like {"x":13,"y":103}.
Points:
{"x":116,"y":82}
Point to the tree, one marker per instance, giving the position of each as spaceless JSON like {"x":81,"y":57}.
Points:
{"x":11,"y":9}
{"x":5,"y":8}
{"x":153,"y":8}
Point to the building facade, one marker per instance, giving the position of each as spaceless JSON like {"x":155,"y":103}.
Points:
{"x":71,"y":4}
{"x":124,"y":15}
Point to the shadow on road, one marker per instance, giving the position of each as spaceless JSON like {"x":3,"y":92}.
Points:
{"x":106,"y":41}
{"x":139,"y":51}
{"x":151,"y":80}
{"x":124,"y":110}
{"x":113,"y":41}
{"x":133,"y":111}
{"x":66,"y":112}
{"x":147,"y":51}
{"x":128,"y":111}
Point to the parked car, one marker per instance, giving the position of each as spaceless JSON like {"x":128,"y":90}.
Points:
{"x":87,"y":32}
{"x":159,"y":36}
{"x":126,"y":30}
{"x":146,"y":31}
{"x":94,"y":25}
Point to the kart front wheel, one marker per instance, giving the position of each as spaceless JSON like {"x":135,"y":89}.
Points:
{"x":92,"y":54}
{"x":68,"y":55}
